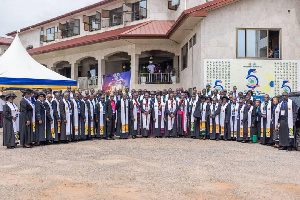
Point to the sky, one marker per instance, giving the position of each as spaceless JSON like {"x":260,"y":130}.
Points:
{"x":18,"y":14}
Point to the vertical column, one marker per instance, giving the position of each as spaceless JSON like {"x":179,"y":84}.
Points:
{"x":101,"y":71}
{"x":74,"y":70}
{"x":134,"y":69}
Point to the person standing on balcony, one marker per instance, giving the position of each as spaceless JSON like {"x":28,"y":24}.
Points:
{"x":151,"y":70}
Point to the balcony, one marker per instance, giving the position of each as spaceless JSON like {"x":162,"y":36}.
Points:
{"x":157,"y":78}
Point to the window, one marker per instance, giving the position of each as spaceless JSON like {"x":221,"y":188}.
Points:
{"x":74,"y":27}
{"x":50,"y":34}
{"x":184,"y":55}
{"x":194,"y":39}
{"x":173,"y":4}
{"x":116,"y":16}
{"x":139,"y":10}
{"x":258,"y":43}
{"x":42,"y":38}
{"x":92,"y":23}
{"x":70,"y":29}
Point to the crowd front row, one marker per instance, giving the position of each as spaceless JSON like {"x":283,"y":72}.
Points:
{"x":46,"y":118}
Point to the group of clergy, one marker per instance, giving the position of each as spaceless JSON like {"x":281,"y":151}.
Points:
{"x":47,"y":117}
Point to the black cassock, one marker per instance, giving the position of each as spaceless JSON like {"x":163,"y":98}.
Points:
{"x":8,"y":130}
{"x":77,"y":137}
{"x":48,"y":120}
{"x":40,"y":115}
{"x":144,"y":131}
{"x":173,"y":131}
{"x":56,"y":116}
{"x":63,"y":130}
{"x":213,"y":134}
{"x":112,"y":117}
{"x":124,"y":135}
{"x":132,"y":131}
{"x":197,"y":114}
{"x":245,"y":126}
{"x":82,"y":118}
{"x":26,"y":113}
{"x":227,"y":133}
{"x":159,"y":131}
{"x":266,"y":140}
{"x":284,"y":139}
{"x":101,"y":131}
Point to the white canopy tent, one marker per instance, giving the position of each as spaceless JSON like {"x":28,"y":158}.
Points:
{"x":19,"y":70}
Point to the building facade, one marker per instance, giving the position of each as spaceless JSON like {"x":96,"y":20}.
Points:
{"x":4,"y":44}
{"x":114,"y":36}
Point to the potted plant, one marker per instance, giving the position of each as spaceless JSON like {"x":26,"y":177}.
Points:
{"x":173,"y":76}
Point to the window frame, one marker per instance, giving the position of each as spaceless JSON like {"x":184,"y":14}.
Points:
{"x":111,"y":17}
{"x":51,"y":28}
{"x":133,"y":12}
{"x":184,"y":65}
{"x":175,"y":7}
{"x":259,"y":29}
{"x":92,"y":19}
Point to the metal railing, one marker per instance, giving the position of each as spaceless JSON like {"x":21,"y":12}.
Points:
{"x":157,"y":78}
{"x":86,"y":83}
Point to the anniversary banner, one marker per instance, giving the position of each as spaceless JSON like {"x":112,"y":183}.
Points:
{"x":116,"y":81}
{"x":262,"y":76}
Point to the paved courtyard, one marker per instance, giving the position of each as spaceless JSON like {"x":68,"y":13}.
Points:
{"x":164,"y":169}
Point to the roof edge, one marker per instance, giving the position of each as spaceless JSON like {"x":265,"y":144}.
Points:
{"x":95,"y":5}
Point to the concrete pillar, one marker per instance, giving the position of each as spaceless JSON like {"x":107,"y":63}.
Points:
{"x":101,"y":71}
{"x":74,"y":70}
{"x":134,"y":70}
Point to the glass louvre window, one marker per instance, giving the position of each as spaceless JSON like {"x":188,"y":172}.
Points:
{"x":76,"y":27}
{"x":94,"y":23}
{"x":258,"y":43}
{"x":116,"y":16}
{"x":184,"y":55}
{"x":50,"y":34}
{"x":139,"y":10}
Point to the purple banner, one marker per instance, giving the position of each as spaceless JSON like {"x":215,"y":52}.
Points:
{"x":116,"y":81}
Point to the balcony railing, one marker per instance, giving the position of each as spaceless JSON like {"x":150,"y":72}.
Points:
{"x":86,"y":83}
{"x":157,"y":78}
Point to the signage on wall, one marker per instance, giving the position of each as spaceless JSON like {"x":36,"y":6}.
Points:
{"x":261,"y":76}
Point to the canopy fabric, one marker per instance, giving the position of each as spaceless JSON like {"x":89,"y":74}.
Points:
{"x":19,"y":70}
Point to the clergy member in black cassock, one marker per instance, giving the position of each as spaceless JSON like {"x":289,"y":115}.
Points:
{"x":84,"y":118}
{"x":146,"y":110}
{"x":26,"y":113}
{"x":123,"y":117}
{"x":110,"y":114}
{"x":193,"y":122}
{"x":135,"y":113}
{"x":171,"y":117}
{"x":8,"y":130}
{"x":56,"y":116}
{"x":40,"y":119}
{"x":226,"y":107}
{"x":49,"y":119}
{"x":101,"y":118}
{"x":286,"y":123}
{"x":182,"y":115}
{"x":158,"y":113}
{"x":66,"y":114}
{"x":214,"y":114}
